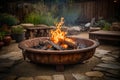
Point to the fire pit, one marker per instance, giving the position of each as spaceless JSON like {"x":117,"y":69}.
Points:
{"x":50,"y":50}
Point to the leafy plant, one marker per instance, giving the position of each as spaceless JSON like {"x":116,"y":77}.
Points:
{"x":100,"y":23}
{"x":17,"y":29}
{"x":103,"y":24}
{"x":37,"y":18}
{"x":106,"y":26}
{"x":8,"y":19}
{"x":32,"y":18}
{"x":2,"y":34}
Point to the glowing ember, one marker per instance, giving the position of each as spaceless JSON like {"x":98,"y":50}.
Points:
{"x":64,"y":45}
{"x":59,"y":37}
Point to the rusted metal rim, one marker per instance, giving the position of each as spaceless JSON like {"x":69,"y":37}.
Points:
{"x":95,"y":44}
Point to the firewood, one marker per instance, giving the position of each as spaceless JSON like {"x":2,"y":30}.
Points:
{"x":44,"y":47}
{"x":56,"y":46}
{"x":72,"y":45}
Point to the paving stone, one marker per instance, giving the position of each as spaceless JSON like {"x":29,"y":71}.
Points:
{"x":58,"y":77}
{"x":109,"y":78}
{"x":111,"y":66}
{"x":5,"y":60}
{"x":100,"y":53}
{"x":4,"y":70}
{"x":25,"y":78}
{"x":112,"y":55}
{"x":10,"y":78}
{"x":108,"y":58}
{"x":78,"y":76}
{"x":94,"y":74}
{"x":116,"y":52}
{"x":96,"y":78}
{"x":114,"y":72}
{"x":16,"y":58}
{"x":2,"y":76}
{"x":99,"y":69}
{"x":43,"y":78}
{"x":12,"y":54}
{"x":113,"y":76}
{"x":7,"y":64}
{"x":112,"y":62}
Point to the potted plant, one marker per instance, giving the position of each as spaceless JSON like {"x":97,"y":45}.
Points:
{"x":7,"y":20}
{"x":18,"y":33}
{"x":106,"y":26}
{"x":5,"y":37}
{"x":1,"y":40}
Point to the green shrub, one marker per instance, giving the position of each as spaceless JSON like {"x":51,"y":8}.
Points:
{"x":32,"y":18}
{"x":106,"y":26}
{"x":2,"y":34}
{"x":17,"y":29}
{"x":100,"y":23}
{"x":103,"y":24}
{"x":37,"y":18}
{"x":8,"y":19}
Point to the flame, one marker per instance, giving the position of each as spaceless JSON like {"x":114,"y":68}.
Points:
{"x":58,"y":36}
{"x":64,"y":45}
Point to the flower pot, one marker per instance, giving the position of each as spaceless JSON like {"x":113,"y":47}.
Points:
{"x":19,"y":37}
{"x":1,"y":44}
{"x":7,"y":40}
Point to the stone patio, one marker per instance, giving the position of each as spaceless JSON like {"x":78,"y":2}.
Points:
{"x":102,"y":66}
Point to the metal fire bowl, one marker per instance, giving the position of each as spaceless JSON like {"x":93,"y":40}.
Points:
{"x":57,"y":57}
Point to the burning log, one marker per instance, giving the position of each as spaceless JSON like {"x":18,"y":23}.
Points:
{"x":54,"y":45}
{"x":45,"y":47}
{"x":70,"y":44}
